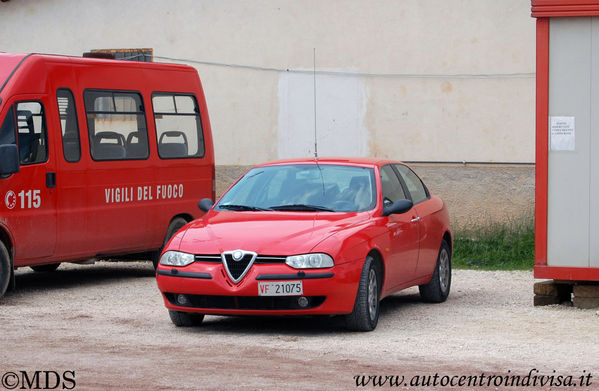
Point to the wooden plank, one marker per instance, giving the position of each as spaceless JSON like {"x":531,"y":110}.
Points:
{"x":586,"y":291}
{"x":586,"y":302}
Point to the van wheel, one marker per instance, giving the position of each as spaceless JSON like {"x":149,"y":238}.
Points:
{"x":173,"y":227}
{"x":365,"y":315}
{"x":6,"y":273}
{"x":437,"y":290}
{"x":185,"y":319}
{"x":46,"y":268}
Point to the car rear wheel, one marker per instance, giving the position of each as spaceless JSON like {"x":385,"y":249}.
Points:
{"x":5,"y":269}
{"x":437,"y":290}
{"x":185,"y":319}
{"x":46,"y":268}
{"x":172,"y":229}
{"x":365,"y":315}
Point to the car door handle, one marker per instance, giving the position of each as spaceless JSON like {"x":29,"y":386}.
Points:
{"x":415,"y":220}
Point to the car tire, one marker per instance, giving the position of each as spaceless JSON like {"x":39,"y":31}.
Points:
{"x":365,"y":315}
{"x":45,"y":268}
{"x":173,"y":227}
{"x":437,"y":290}
{"x":6,"y":273}
{"x":185,"y":319}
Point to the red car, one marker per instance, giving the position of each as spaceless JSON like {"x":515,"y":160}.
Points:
{"x":310,"y":237}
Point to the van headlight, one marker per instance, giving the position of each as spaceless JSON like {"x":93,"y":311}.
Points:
{"x":310,"y":261}
{"x":176,"y":258}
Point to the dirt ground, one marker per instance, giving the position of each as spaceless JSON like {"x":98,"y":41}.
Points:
{"x":107,"y":323}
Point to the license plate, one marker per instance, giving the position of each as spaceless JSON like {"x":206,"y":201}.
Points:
{"x":280,"y":288}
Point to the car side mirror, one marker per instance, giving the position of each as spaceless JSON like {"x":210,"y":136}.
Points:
{"x":9,"y":159}
{"x":398,"y":207}
{"x":205,"y":204}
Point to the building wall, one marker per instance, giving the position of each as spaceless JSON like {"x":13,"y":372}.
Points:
{"x":433,"y":80}
{"x":415,"y":80}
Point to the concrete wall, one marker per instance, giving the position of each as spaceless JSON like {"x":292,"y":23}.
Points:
{"x":419,"y":80}
{"x":475,"y":194}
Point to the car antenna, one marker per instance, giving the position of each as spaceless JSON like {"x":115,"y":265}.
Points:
{"x":315,"y":132}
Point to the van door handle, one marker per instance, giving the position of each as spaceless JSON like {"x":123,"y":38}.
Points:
{"x":50,"y":180}
{"x":415,"y":220}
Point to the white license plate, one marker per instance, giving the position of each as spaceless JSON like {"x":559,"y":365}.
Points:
{"x":280,"y":288}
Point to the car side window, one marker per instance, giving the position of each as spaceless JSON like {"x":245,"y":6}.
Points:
{"x":71,"y":144}
{"x":31,"y":133}
{"x":391,"y":187}
{"x":415,"y":186}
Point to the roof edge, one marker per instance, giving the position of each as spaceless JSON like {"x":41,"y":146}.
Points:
{"x":564,"y":8}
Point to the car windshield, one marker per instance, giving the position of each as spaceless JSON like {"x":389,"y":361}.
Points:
{"x":303,"y":188}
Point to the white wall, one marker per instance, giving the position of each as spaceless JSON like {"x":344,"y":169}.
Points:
{"x":439,"y":80}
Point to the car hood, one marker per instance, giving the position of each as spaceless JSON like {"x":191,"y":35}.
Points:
{"x":266,"y":233}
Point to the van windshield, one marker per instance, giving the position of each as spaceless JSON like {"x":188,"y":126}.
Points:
{"x":8,"y":63}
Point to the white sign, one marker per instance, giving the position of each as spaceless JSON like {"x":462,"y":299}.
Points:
{"x":563,"y":137}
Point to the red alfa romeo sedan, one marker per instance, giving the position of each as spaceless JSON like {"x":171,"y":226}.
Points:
{"x":310,"y":237}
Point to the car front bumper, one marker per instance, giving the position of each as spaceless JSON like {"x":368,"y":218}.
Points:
{"x":206,"y":288}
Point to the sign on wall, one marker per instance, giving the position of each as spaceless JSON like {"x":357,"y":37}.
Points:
{"x":563,"y":135}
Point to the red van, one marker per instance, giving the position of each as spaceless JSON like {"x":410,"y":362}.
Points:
{"x":98,"y":158}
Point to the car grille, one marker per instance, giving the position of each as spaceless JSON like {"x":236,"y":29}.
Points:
{"x":216,"y":258}
{"x":245,"y":302}
{"x":237,"y":269}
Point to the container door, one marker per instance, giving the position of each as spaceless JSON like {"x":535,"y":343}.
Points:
{"x":573,"y":163}
{"x":29,"y":196}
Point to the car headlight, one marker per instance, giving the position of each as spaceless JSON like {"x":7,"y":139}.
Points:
{"x":309,"y":261}
{"x":176,"y":258}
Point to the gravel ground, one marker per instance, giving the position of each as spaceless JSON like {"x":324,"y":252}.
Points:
{"x":107,"y":323}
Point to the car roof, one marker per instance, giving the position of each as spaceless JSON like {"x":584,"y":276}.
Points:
{"x":349,"y":161}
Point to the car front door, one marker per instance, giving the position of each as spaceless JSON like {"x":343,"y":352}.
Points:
{"x":402,"y":233}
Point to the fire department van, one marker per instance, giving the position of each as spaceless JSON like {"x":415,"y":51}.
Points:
{"x":98,"y":158}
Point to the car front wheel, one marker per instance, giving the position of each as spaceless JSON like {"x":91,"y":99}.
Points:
{"x":437,"y":290}
{"x":365,"y":315}
{"x":185,"y":319}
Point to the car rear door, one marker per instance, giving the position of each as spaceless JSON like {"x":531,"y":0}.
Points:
{"x":429,"y":242}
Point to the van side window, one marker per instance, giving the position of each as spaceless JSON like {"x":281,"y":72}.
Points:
{"x":178,"y":126}
{"x":116,"y":124}
{"x":31,"y":133}
{"x":71,"y":144}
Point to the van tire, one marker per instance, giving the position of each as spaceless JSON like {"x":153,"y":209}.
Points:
{"x":6,"y":273}
{"x":173,"y":227}
{"x":45,"y":268}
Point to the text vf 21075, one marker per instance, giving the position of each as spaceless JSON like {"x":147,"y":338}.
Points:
{"x":98,"y":158}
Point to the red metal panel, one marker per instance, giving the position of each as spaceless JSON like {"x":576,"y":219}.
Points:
{"x":567,"y":273}
{"x":564,"y":8}
{"x":542,"y":146}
